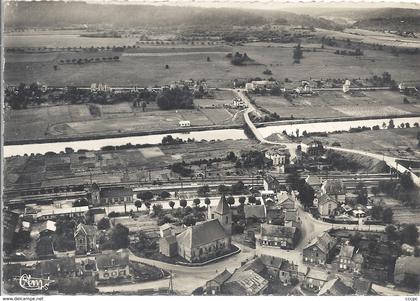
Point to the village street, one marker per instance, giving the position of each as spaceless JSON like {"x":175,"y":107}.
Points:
{"x":185,"y":279}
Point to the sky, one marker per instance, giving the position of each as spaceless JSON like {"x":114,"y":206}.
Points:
{"x":273,"y":4}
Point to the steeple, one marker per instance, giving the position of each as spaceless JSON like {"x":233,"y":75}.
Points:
{"x":222,"y":207}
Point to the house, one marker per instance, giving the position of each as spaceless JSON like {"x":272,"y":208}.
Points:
{"x":165,"y":230}
{"x":407,"y":267}
{"x":203,"y":241}
{"x":314,"y":181}
{"x":115,"y":195}
{"x":335,"y":188}
{"x":184,"y":123}
{"x":278,"y":236}
{"x":85,"y":238}
{"x":279,"y":156}
{"x":319,"y":250}
{"x":57,"y":268}
{"x":112,"y":265}
{"x":271,"y":183}
{"x":222,"y":213}
{"x":260,"y":84}
{"x":168,"y":245}
{"x":315,"y":280}
{"x":213,"y":286}
{"x":279,"y":268}
{"x":326,"y":205}
{"x":285,"y":201}
{"x":47,"y":228}
{"x":245,"y":283}
{"x":275,"y":214}
{"x":315,"y":148}
{"x":291,"y":215}
{"x":362,"y":287}
{"x":336,"y":287}
{"x":255,"y":212}
{"x":345,"y":257}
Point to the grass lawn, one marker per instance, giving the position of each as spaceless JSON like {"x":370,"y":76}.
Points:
{"x":390,"y":142}
{"x":150,"y":70}
{"x":338,"y":104}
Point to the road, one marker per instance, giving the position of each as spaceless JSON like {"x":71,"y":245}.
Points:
{"x":185,"y":279}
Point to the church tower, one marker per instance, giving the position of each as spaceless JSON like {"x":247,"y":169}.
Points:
{"x":223,"y":214}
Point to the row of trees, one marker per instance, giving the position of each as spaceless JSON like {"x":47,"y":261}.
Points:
{"x":90,"y":60}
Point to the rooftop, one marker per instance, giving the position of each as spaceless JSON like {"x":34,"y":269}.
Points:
{"x":407,"y":265}
{"x":277,"y":231}
{"x":112,"y":259}
{"x":112,"y":192}
{"x":256,"y":211}
{"x":202,"y":233}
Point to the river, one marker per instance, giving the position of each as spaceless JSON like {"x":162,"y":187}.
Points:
{"x":225,"y":134}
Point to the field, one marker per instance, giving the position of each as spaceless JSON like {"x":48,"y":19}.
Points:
{"x":338,"y":104}
{"x":117,"y":166}
{"x":146,"y":67}
{"x":76,"y":120}
{"x":389,"y":142}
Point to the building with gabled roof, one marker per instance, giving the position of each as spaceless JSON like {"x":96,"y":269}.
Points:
{"x":405,"y":267}
{"x":315,"y":279}
{"x":85,"y":238}
{"x":255,"y":212}
{"x":112,"y":265}
{"x":245,"y":283}
{"x":345,"y":257}
{"x":278,"y":236}
{"x":320,"y":249}
{"x":326,"y":205}
{"x":213,"y":286}
{"x":203,"y":241}
{"x":314,"y":181}
{"x":336,"y":287}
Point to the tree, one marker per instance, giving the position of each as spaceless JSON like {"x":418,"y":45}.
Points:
{"x":171,"y":204}
{"x":362,"y":194}
{"x":306,"y":194}
{"x":203,"y":190}
{"x":119,"y":237}
{"x":230,"y":200}
{"x":138,"y":204}
{"x":157,"y":209}
{"x":242,"y":200}
{"x":297,"y":54}
{"x":207,"y":202}
{"x":387,"y":215}
{"x":238,"y":187}
{"x":406,"y":181}
{"x":183,"y":203}
{"x":409,"y":234}
{"x":355,"y":240}
{"x":293,"y":180}
{"x":104,"y":224}
{"x":252,"y":199}
{"x":196,"y":202}
{"x":208,"y":59}
{"x":377,"y":212}
{"x":391,"y":232}
{"x":375,"y":190}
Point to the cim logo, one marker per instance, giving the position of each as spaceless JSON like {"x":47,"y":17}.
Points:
{"x":34,"y":284}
